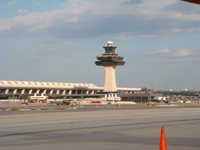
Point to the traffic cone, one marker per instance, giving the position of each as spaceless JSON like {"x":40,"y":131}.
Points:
{"x":163,"y":144}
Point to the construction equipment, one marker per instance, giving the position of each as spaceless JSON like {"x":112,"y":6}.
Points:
{"x":187,"y":98}
{"x":173,"y":98}
{"x":30,"y":100}
{"x":36,"y":100}
{"x":65,"y":102}
{"x":44,"y":101}
{"x":68,"y":102}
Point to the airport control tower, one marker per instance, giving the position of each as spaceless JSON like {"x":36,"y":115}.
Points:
{"x":110,"y":60}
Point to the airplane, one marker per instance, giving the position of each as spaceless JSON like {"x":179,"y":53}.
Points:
{"x":192,"y":1}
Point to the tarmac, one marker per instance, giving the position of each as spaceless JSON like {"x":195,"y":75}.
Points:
{"x":96,"y":106}
{"x":100,"y":127}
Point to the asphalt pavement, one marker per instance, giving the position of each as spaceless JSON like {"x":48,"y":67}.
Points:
{"x":100,"y":128}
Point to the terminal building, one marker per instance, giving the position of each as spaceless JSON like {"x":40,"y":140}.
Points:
{"x":24,"y":89}
{"x":21,"y":89}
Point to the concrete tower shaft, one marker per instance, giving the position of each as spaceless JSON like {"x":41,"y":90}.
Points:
{"x":110,"y":60}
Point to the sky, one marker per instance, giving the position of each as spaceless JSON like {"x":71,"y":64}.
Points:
{"x":58,"y":41}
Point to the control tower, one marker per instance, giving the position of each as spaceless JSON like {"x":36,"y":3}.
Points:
{"x":110,"y":60}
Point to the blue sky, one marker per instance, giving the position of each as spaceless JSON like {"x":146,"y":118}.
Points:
{"x":58,"y":41}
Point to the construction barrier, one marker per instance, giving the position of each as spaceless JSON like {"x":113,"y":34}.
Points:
{"x":96,"y":102}
{"x":10,"y":104}
{"x":37,"y":104}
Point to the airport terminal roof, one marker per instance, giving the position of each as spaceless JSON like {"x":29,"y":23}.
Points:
{"x":55,"y":85}
{"x":43,"y":84}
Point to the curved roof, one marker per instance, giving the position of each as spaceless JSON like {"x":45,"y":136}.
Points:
{"x":55,"y":85}
{"x":44,"y":84}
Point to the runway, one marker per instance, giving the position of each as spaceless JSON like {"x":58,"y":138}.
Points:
{"x":101,"y":128}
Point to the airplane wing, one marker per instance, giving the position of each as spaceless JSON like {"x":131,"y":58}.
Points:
{"x":193,"y":1}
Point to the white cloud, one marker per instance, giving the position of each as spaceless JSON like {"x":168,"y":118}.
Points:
{"x":57,"y":49}
{"x":51,"y":49}
{"x":73,"y":19}
{"x":68,"y":44}
{"x":9,"y":4}
{"x":20,"y":11}
{"x":121,"y":39}
{"x":174,"y":60}
{"x":35,"y":57}
{"x":85,"y":18}
{"x":182,"y":53}
{"x":160,"y":51}
{"x":148,"y":36}
{"x":36,"y":2}
{"x":156,"y":9}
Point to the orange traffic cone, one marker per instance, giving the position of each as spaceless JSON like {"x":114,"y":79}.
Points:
{"x":163,"y":144}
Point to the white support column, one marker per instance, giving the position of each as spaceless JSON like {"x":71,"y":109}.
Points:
{"x":30,"y":91}
{"x":92,"y":92}
{"x":87,"y":92}
{"x":110,"y":80}
{"x":45,"y":91}
{"x":15,"y":91}
{"x":64,"y":91}
{"x":58,"y":91}
{"x":6,"y":91}
{"x":23,"y":91}
{"x":38,"y":91}
{"x":76,"y":91}
{"x":51,"y":92}
{"x":70,"y":92}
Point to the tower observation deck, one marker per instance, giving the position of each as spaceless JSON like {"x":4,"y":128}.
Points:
{"x":110,"y":60}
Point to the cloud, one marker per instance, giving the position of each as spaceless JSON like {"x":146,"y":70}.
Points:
{"x":51,"y":49}
{"x":160,"y":51}
{"x":121,"y":39}
{"x":36,"y":2}
{"x":56,"y":49}
{"x":85,"y":18}
{"x":133,"y":2}
{"x":148,"y":36}
{"x":20,"y":11}
{"x":68,"y":44}
{"x":182,"y":53}
{"x":73,"y":19}
{"x":34,"y":57}
{"x":9,"y":4}
{"x":174,"y":60}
